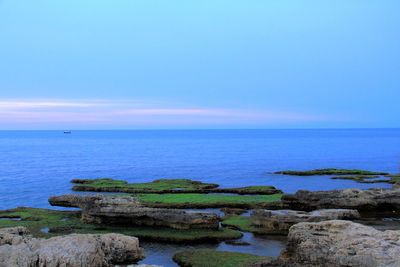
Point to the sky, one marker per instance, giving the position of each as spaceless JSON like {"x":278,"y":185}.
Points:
{"x":146,"y":64}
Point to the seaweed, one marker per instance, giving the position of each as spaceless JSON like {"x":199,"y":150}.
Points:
{"x":65,"y":222}
{"x":202,"y":201}
{"x":163,"y":186}
{"x":201,"y":258}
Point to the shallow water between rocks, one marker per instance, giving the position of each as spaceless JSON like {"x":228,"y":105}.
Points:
{"x":36,"y":160}
{"x":161,"y":254}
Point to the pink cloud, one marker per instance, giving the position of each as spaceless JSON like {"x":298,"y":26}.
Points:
{"x":43,"y":104}
{"x":124,"y":113}
{"x":166,"y":111}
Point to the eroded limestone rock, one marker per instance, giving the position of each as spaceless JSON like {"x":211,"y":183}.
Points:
{"x":73,"y":250}
{"x":375,"y":200}
{"x":339,"y":243}
{"x":282,"y":220}
{"x":13,"y":235}
{"x":127,"y":210}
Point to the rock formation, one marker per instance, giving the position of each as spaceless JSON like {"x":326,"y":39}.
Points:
{"x":282,"y":220}
{"x":374,"y":200}
{"x":18,"y":248}
{"x":338,"y":243}
{"x":127,"y":210}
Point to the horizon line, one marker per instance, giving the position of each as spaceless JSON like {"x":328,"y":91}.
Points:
{"x":207,"y":129}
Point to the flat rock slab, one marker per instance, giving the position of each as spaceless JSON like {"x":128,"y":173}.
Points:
{"x":126,"y":210}
{"x":375,"y":200}
{"x":163,"y":186}
{"x":282,"y":220}
{"x":73,"y":250}
{"x":338,"y":243}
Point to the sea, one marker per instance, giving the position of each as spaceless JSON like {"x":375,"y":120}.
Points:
{"x":38,"y":164}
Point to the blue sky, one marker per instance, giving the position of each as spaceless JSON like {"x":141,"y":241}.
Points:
{"x":199,"y":64}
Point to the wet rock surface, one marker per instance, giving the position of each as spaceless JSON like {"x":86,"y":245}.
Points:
{"x":277,"y":263}
{"x":126,"y":210}
{"x":339,"y":243}
{"x":373,"y":200}
{"x":233,"y":211}
{"x":73,"y":250}
{"x":282,"y":220}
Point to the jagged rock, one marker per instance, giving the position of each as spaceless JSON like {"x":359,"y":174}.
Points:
{"x":282,"y":220}
{"x":73,"y":250}
{"x":13,"y":235}
{"x":374,"y":200}
{"x":126,"y":210}
{"x":340,"y":243}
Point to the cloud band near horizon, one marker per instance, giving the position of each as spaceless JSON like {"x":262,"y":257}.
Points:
{"x":134,"y":114}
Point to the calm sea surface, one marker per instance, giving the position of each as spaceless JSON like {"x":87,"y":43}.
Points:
{"x":38,"y":164}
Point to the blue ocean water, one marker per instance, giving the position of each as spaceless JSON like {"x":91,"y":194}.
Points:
{"x":38,"y":164}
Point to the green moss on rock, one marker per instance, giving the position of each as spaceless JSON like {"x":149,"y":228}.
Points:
{"x":331,"y":172}
{"x":165,"y":186}
{"x":206,"y":258}
{"x":394,"y":178}
{"x":37,"y":219}
{"x":66,"y":222}
{"x":157,"y":186}
{"x":363,"y":179}
{"x":192,"y":201}
{"x":245,"y":223}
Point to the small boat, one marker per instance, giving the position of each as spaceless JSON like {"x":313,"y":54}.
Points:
{"x":67,"y":132}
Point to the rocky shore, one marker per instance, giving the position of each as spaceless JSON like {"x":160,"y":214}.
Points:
{"x":338,"y":243}
{"x":103,"y":209}
{"x":373,"y":201}
{"x":19,"y":248}
{"x":282,"y":220}
{"x":320,"y":226}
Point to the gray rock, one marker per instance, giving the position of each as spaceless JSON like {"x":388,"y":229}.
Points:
{"x":375,"y":200}
{"x":73,"y":250}
{"x":13,"y":235}
{"x":282,"y":220}
{"x":126,"y":210}
{"x":340,"y":243}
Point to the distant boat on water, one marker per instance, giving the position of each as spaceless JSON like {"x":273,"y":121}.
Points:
{"x":67,"y":132}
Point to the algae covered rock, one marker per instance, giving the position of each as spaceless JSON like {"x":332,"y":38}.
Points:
{"x":277,"y":263}
{"x":338,"y":243}
{"x":278,"y":222}
{"x":204,"y":201}
{"x":233,"y":211}
{"x":58,"y":222}
{"x":375,"y":200}
{"x":127,"y":210}
{"x":331,"y":171}
{"x":202,"y":258}
{"x":73,"y":250}
{"x":162,"y":186}
{"x":282,"y":220}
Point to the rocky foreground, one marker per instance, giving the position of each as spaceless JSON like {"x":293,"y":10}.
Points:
{"x":338,"y":243}
{"x":19,"y":248}
{"x":318,"y":225}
